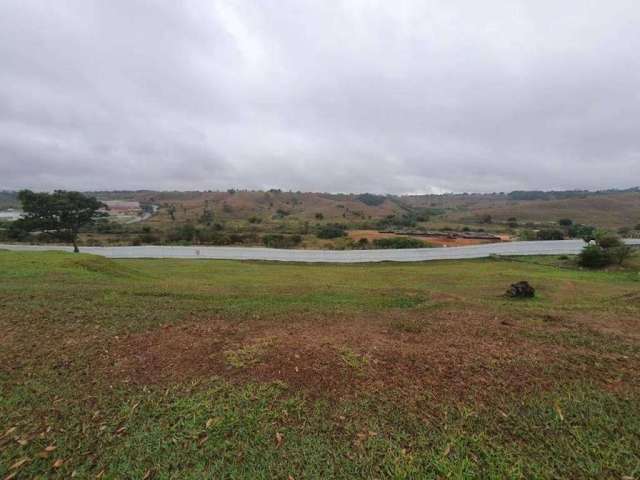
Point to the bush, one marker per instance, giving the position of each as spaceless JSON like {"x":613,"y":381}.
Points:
{"x":107,"y":226}
{"x":527,"y":235}
{"x":206,"y":217}
{"x":185,"y":233}
{"x":550,"y":234}
{"x":565,"y":222}
{"x":621,"y":253}
{"x":334,"y":230}
{"x":608,"y":240}
{"x":371,"y":199}
{"x":14,"y":232}
{"x":281,"y":241}
{"x":398,"y":242}
{"x":422,"y":215}
{"x":608,"y":249}
{"x":213,"y":237}
{"x":585,"y":232}
{"x":149,"y":237}
{"x":593,"y":256}
{"x":404,"y":221}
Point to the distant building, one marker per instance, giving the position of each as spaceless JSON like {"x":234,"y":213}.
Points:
{"x":122,"y":207}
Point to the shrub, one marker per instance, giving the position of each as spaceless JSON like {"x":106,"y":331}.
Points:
{"x":15,"y":232}
{"x":106,"y":226}
{"x":593,"y":256}
{"x":527,"y":235}
{"x":334,"y":230}
{"x":550,"y":234}
{"x":186,"y":233}
{"x":608,"y":240}
{"x":206,"y":217}
{"x":149,"y":237}
{"x":390,"y":221}
{"x":319,"y":216}
{"x":608,"y":249}
{"x":422,"y":215}
{"x":565,"y":222}
{"x":585,"y":232}
{"x":371,"y":199}
{"x":281,"y":241}
{"x":212,"y":237}
{"x":621,"y":253}
{"x":398,"y":242}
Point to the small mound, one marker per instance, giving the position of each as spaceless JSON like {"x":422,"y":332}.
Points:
{"x":97,"y":264}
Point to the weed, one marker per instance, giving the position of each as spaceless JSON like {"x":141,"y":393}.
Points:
{"x":354,"y":360}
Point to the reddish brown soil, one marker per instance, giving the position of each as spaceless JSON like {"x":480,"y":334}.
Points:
{"x":459,"y":355}
{"x":440,"y":241}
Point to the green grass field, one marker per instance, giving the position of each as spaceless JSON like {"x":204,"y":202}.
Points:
{"x":221,"y":369}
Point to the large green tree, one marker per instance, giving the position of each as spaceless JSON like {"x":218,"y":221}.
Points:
{"x":60,"y":214}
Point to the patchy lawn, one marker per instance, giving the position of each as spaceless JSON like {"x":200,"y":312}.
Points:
{"x":220,"y":369}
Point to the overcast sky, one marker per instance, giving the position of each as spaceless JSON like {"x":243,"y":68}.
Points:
{"x":353,"y":96}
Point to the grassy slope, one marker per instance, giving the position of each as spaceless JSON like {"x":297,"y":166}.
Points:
{"x":63,"y":316}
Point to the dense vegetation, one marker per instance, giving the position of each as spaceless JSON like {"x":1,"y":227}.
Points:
{"x":398,"y":242}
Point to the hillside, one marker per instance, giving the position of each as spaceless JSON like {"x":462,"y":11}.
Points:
{"x":610,"y":209}
{"x":296,"y":219}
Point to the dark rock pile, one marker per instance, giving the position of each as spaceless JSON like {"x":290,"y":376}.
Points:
{"x":521,"y":290}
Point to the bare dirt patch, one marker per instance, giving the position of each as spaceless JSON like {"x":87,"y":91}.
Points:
{"x":441,"y":241}
{"x":452,"y":354}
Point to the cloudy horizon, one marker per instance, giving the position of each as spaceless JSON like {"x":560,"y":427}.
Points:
{"x":350,"y":96}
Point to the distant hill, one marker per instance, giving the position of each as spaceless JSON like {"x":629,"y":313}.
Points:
{"x":607,"y":209}
{"x":276,"y":208}
{"x":265,"y":206}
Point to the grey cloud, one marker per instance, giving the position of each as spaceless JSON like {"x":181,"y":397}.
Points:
{"x":333,"y":96}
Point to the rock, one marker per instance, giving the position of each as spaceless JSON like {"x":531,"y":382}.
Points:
{"x":521,"y":290}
